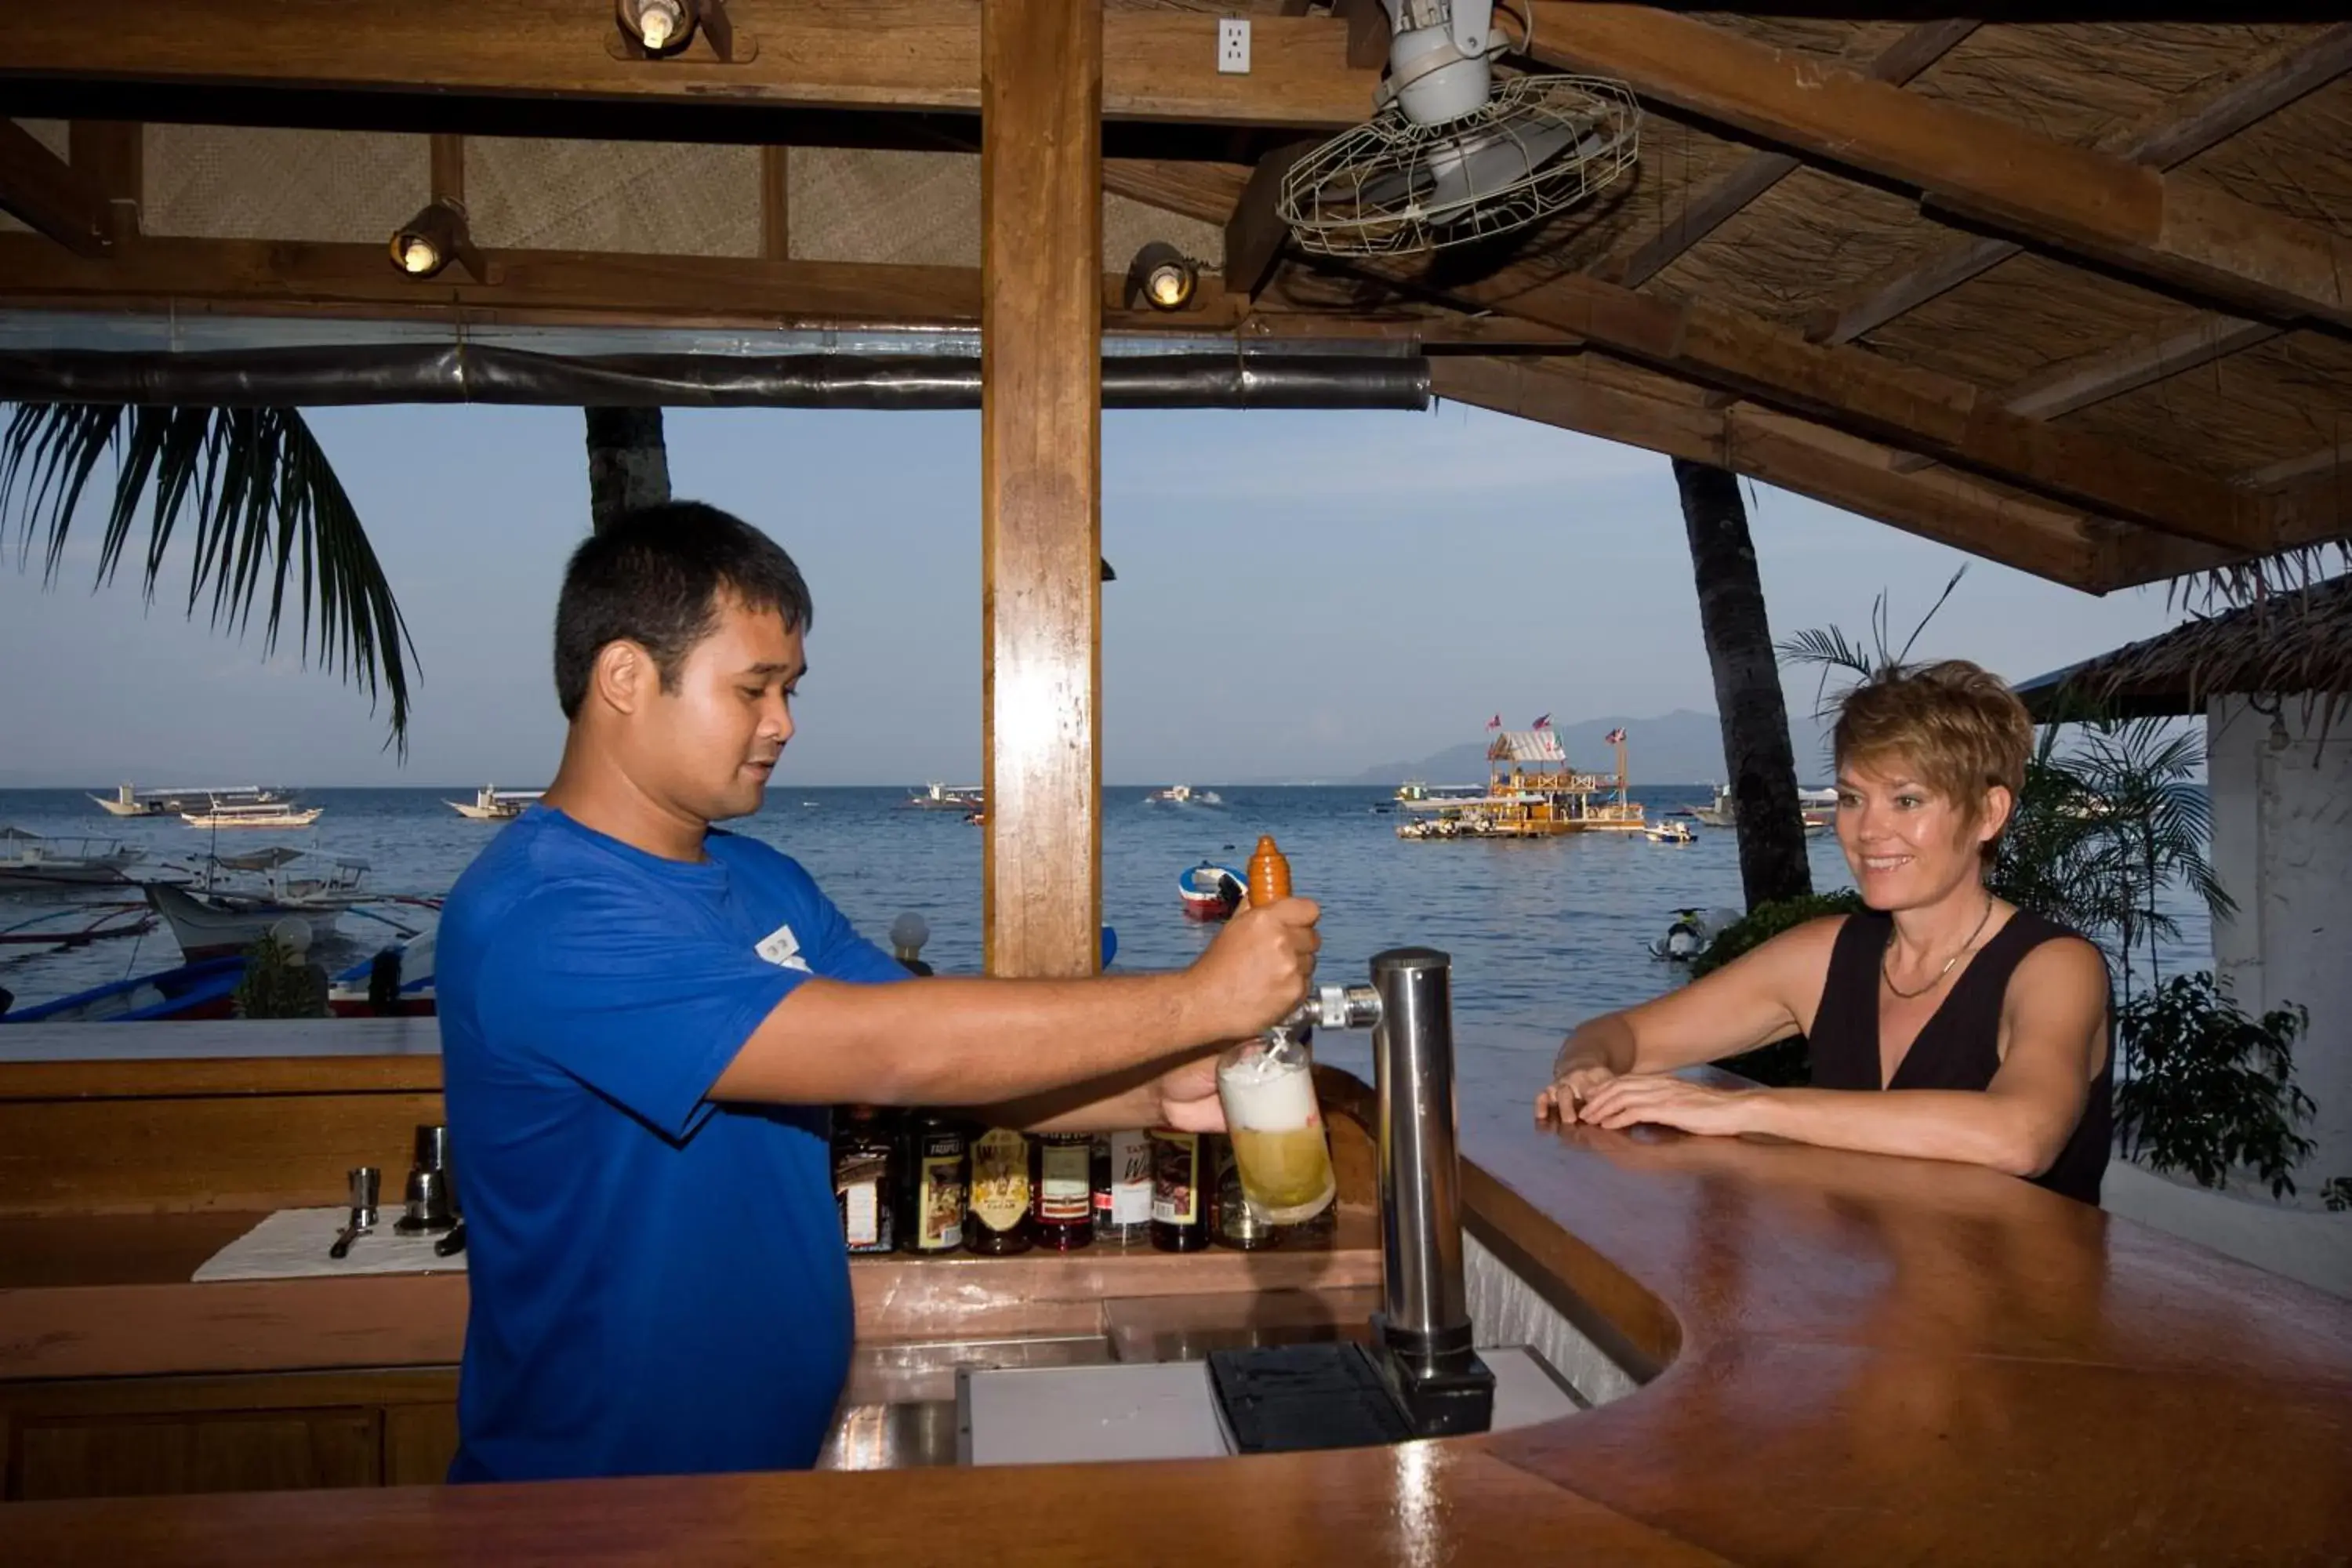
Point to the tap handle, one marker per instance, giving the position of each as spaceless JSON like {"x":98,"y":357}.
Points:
{"x":1269,"y":874}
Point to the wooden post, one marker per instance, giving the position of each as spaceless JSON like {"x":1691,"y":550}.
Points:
{"x":1041,"y":510}
{"x":775,"y":204}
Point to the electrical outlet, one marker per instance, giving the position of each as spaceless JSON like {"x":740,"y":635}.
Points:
{"x":1232,"y":45}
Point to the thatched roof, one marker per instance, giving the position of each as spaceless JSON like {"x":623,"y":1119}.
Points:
{"x":2286,"y":644}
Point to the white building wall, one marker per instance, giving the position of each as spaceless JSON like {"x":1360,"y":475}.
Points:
{"x":2283,"y":848}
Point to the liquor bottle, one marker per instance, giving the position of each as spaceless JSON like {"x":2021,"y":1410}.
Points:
{"x":1180,"y":1215}
{"x":1061,"y":1187}
{"x":1122,"y":1195}
{"x":1231,"y":1219}
{"x":996,"y":1224}
{"x":863,"y":1178}
{"x":935,"y":1185}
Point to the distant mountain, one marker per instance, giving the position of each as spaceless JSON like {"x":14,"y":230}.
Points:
{"x":1680,"y":747}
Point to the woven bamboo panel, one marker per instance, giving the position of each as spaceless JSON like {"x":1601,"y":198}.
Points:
{"x":49,"y":133}
{"x":640,"y":198}
{"x":923,"y":209}
{"x":222,"y":182}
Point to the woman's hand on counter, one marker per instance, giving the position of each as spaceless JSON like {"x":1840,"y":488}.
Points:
{"x":1562,"y":1100}
{"x":1667,"y":1100}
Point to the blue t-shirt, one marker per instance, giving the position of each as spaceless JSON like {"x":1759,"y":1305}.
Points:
{"x":658,"y":1283}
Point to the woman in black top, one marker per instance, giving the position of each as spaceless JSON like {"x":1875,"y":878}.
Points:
{"x":1992,"y":1020}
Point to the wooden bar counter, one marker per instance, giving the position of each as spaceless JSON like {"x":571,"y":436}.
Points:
{"x":1845,"y":1359}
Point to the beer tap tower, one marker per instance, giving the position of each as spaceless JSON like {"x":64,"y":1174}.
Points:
{"x":1420,"y":1377}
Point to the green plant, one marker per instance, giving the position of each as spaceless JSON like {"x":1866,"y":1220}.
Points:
{"x":1783,"y":1064}
{"x":2212,"y":1089}
{"x":279,"y":983}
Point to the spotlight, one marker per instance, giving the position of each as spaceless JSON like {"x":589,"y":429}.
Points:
{"x":431,"y":239}
{"x":663,"y":26}
{"x":1162,"y":277}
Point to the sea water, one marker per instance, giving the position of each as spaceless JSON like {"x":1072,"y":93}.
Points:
{"x":1543,"y":932}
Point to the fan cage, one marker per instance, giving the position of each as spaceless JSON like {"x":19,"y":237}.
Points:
{"x":1363,"y":191}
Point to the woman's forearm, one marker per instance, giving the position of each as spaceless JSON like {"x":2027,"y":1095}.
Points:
{"x":1975,"y":1128}
{"x":1606,"y":1042}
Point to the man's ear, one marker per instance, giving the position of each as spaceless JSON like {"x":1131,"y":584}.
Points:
{"x":623,"y":676}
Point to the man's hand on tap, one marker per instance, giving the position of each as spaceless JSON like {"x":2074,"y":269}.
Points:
{"x":1256,"y":971}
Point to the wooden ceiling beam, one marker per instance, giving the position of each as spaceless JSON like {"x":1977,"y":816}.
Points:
{"x":2128,"y":215}
{"x":1703,"y":214}
{"x":1793,"y":454}
{"x":1915,"y":410}
{"x":2277,"y":80}
{"x":262,"y":278}
{"x":1255,"y":232}
{"x":45,"y":193}
{"x":111,"y":155}
{"x":922,"y":55}
{"x":2335,"y":454}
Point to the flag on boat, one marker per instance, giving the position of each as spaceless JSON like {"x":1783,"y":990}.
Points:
{"x":1495,"y":723}
{"x":1615,"y":737}
{"x":1542,"y":723}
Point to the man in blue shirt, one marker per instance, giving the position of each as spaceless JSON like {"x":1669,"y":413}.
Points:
{"x":645,"y":1019}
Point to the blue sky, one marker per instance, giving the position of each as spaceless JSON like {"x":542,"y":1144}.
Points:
{"x":1299,"y":594}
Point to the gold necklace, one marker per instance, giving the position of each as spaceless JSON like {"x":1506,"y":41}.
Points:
{"x":1888,"y":975}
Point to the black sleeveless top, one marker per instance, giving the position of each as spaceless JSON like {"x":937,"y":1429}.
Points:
{"x":1959,"y":1046}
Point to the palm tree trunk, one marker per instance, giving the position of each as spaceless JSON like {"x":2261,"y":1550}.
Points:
{"x":629,"y":466}
{"x":1756,"y":751}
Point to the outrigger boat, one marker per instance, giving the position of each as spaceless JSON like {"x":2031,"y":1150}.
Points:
{"x":127,"y":801}
{"x":237,"y":899}
{"x":32,"y":860}
{"x":222,"y":811}
{"x":937,"y":797}
{"x":1184,"y":794}
{"x":491,"y":804}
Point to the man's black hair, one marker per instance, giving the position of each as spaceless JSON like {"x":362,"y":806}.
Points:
{"x":654,"y":577}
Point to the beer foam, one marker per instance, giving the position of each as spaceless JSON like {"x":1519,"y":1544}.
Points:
{"x":1260,"y":1101}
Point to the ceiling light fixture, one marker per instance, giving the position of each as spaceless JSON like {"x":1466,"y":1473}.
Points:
{"x":431,"y":239}
{"x":1162,"y":277}
{"x":661,"y":26}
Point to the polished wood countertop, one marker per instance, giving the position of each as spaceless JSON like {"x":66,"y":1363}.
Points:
{"x":1858,"y":1360}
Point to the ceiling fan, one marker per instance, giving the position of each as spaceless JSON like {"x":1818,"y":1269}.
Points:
{"x":1454,"y":152}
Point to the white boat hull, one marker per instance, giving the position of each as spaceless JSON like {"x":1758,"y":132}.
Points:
{"x":205,"y":927}
{"x":302,"y":818}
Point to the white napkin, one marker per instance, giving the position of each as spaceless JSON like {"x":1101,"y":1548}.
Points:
{"x":292,"y":1245}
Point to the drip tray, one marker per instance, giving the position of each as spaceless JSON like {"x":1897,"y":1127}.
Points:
{"x":1074,"y":1415}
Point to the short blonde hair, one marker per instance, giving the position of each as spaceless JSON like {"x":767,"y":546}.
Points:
{"x":1955,"y":724}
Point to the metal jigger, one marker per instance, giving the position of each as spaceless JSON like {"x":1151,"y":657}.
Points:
{"x":366,"y":1181}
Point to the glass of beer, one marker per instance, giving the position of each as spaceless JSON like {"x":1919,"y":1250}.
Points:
{"x":1267,"y":1086}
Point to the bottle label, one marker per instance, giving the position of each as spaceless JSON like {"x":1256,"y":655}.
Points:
{"x":1176,"y":1178}
{"x":939,"y":1227}
{"x":1064,"y":1182}
{"x":1000,"y":1179}
{"x":861,"y":1215}
{"x":1130,"y":1198}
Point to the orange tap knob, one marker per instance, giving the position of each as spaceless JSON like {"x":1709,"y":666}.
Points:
{"x":1269,"y":874}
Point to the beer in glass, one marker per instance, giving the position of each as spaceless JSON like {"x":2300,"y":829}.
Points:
{"x":1267,"y":1086}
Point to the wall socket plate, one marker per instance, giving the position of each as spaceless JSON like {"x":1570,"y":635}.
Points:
{"x":1232,"y":45}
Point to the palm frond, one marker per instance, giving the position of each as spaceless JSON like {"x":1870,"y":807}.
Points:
{"x":265,"y":510}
